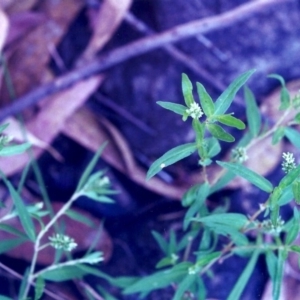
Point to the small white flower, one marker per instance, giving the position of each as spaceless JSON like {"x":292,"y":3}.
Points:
{"x":162,"y":165}
{"x":289,"y":162}
{"x":239,"y":154}
{"x":194,"y":111}
{"x":61,"y":241}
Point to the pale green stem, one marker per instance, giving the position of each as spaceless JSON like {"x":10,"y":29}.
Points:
{"x":37,"y":247}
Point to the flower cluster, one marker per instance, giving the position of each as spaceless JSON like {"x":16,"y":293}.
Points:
{"x":194,"y":111}
{"x":289,"y":162}
{"x":269,"y":227}
{"x":61,"y":241}
{"x":239,"y":154}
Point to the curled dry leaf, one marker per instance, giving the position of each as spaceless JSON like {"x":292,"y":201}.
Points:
{"x":84,"y":128}
{"x":104,"y":22}
{"x":83,"y":235}
{"x":50,"y":120}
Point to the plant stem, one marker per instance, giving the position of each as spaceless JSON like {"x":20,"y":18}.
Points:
{"x":37,"y":248}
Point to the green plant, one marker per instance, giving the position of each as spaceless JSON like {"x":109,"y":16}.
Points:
{"x":186,"y":260}
{"x":95,"y":186}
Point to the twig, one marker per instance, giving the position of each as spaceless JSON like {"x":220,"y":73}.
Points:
{"x":136,"y":48}
{"x":180,"y":56}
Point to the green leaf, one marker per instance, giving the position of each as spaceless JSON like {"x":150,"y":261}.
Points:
{"x":296,"y":191}
{"x":159,"y":279}
{"x":219,"y":133}
{"x":252,"y":112}
{"x":160,"y":241}
{"x":184,"y":285}
{"x":294,"y":229}
{"x":22,"y":211}
{"x":282,"y":256}
{"x":289,"y":178}
{"x":226,"y":98}
{"x":87,"y":172}
{"x":278,"y":77}
{"x":286,"y":196}
{"x":8,"y":244}
{"x":174,"y":107}
{"x":278,"y":135}
{"x":249,"y":175}
{"x":284,"y":98}
{"x":79,"y":217}
{"x":297,"y":118}
{"x":187,"y":90}
{"x":14,"y":150}
{"x":39,"y":288}
{"x":295,"y":248}
{"x":199,"y":130}
{"x":293,"y":136}
{"x":231,"y":121}
{"x":213,"y":147}
{"x":234,"y":220}
{"x":206,"y":102}
{"x":271,"y":261}
{"x":170,"y":158}
{"x":96,"y":197}
{"x":243,"y":278}
{"x":64,"y":273}
{"x":12,"y":230}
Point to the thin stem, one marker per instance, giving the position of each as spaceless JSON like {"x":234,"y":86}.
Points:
{"x":41,"y":234}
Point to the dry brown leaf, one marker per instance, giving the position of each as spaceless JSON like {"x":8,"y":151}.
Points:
{"x":104,"y":23}
{"x":21,"y":24}
{"x":86,"y":130}
{"x":83,"y":235}
{"x":48,"y":123}
{"x":28,"y":63}
{"x":3,"y":28}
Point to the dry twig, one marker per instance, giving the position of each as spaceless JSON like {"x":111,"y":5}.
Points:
{"x":139,"y":47}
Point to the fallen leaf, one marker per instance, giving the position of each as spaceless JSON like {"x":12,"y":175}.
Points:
{"x":104,"y":22}
{"x":48,"y":123}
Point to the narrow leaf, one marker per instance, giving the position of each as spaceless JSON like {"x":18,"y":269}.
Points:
{"x":22,"y":211}
{"x":293,"y":136}
{"x":64,"y":273}
{"x":184,"y":285}
{"x":14,"y":150}
{"x":206,"y":102}
{"x":249,"y":175}
{"x":219,"y":133}
{"x":289,"y":178}
{"x":282,"y":255}
{"x":187,"y":90}
{"x":252,"y":112}
{"x":39,"y":288}
{"x":87,"y":172}
{"x":9,"y":244}
{"x":170,"y":158}
{"x":231,"y":121}
{"x":226,"y":98}
{"x":243,"y":278}
{"x":296,"y":191}
{"x":174,"y":107}
{"x":294,"y":229}
{"x":235,"y":220}
{"x":278,"y":135}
